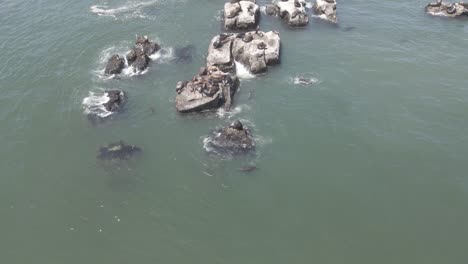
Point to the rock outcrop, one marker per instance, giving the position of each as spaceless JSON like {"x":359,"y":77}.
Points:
{"x":219,"y":52}
{"x":99,"y":107}
{"x":115,"y":65}
{"x":234,"y":138}
{"x":326,"y":9}
{"x":239,"y":14}
{"x":115,"y":102}
{"x":255,"y":50}
{"x":138,"y":57}
{"x":293,"y":12}
{"x":117,"y":151}
{"x":210,"y":89}
{"x":441,"y":8}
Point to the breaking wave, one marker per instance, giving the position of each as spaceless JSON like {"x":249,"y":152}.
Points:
{"x":233,"y":112}
{"x":242,"y":72}
{"x":94,"y":104}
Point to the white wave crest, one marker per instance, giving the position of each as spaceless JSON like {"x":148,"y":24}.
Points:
{"x":242,"y":72}
{"x":233,"y":112}
{"x":130,"y":7}
{"x":94,"y":104}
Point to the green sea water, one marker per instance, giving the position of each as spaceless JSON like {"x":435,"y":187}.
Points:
{"x":368,"y":165}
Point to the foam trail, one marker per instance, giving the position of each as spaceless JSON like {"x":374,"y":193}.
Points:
{"x":234,"y":111}
{"x":130,"y":6}
{"x":242,"y":72}
{"x":163,"y":55}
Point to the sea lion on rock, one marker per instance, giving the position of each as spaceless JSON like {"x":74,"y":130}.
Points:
{"x":241,"y":15}
{"x":262,"y":46}
{"x":293,"y":12}
{"x":247,"y":38}
{"x":447,"y":9}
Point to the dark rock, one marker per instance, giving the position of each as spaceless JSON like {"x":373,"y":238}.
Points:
{"x":115,"y":65}
{"x":234,"y":140}
{"x":141,"y":63}
{"x":116,"y":100}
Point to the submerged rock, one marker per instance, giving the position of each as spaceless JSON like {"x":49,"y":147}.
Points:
{"x":117,"y":151}
{"x":293,"y":12}
{"x":241,"y":14}
{"x":234,"y":138}
{"x":255,"y":50}
{"x":184,"y":54}
{"x":326,"y":9}
{"x":115,"y":65}
{"x":210,"y":89}
{"x":249,"y":168}
{"x":441,"y":8}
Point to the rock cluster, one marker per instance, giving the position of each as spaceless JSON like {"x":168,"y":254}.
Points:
{"x":441,"y":8}
{"x":241,"y":14}
{"x":137,"y":58}
{"x":209,"y":89}
{"x":293,"y":12}
{"x":326,"y":9}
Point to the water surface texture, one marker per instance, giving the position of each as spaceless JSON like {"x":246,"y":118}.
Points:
{"x":366,"y":165}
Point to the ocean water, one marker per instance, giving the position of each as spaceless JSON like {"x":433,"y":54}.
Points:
{"x":366,"y":165}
